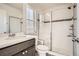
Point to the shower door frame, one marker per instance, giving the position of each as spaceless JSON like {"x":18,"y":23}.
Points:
{"x":69,"y":19}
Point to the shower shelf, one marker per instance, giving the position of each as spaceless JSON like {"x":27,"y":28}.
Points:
{"x":76,"y":40}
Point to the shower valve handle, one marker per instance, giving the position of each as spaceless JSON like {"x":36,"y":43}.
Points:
{"x":76,"y":40}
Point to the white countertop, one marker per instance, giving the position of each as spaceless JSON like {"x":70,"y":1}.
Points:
{"x":4,"y":42}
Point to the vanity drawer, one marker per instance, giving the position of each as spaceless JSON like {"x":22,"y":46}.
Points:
{"x":27,"y":52}
{"x":11,"y":50}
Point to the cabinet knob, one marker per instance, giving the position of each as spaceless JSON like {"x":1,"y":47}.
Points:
{"x":23,"y":52}
{"x":26,"y":51}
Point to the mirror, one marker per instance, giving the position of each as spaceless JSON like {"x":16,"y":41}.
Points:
{"x":13,"y":21}
{"x":15,"y":24}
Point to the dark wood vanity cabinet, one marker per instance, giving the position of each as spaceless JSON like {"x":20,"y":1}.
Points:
{"x":27,"y":52}
{"x":25,"y":48}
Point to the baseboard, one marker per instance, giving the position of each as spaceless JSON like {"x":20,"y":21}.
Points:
{"x":54,"y":53}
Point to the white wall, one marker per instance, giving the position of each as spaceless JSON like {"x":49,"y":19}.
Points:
{"x":3,"y":21}
{"x":10,"y":11}
{"x":78,"y":20}
{"x":77,"y":44}
{"x":62,"y":12}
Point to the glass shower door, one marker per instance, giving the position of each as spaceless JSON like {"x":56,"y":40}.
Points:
{"x":61,"y":42}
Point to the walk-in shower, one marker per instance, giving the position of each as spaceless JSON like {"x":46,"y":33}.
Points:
{"x":60,"y":28}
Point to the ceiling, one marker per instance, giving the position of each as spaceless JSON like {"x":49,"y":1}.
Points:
{"x":16,"y":5}
{"x":47,"y":5}
{"x":41,"y":6}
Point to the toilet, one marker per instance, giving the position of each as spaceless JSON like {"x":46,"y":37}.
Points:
{"x":42,"y":50}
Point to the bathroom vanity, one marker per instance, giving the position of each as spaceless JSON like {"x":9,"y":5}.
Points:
{"x":22,"y":48}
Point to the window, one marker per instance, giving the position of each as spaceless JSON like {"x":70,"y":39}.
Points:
{"x":29,"y":14}
{"x":31,"y":22}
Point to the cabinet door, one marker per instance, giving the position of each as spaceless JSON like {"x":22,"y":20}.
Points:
{"x":31,"y":51}
{"x":27,"y":52}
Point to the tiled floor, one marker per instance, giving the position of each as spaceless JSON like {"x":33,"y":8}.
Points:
{"x":36,"y":54}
